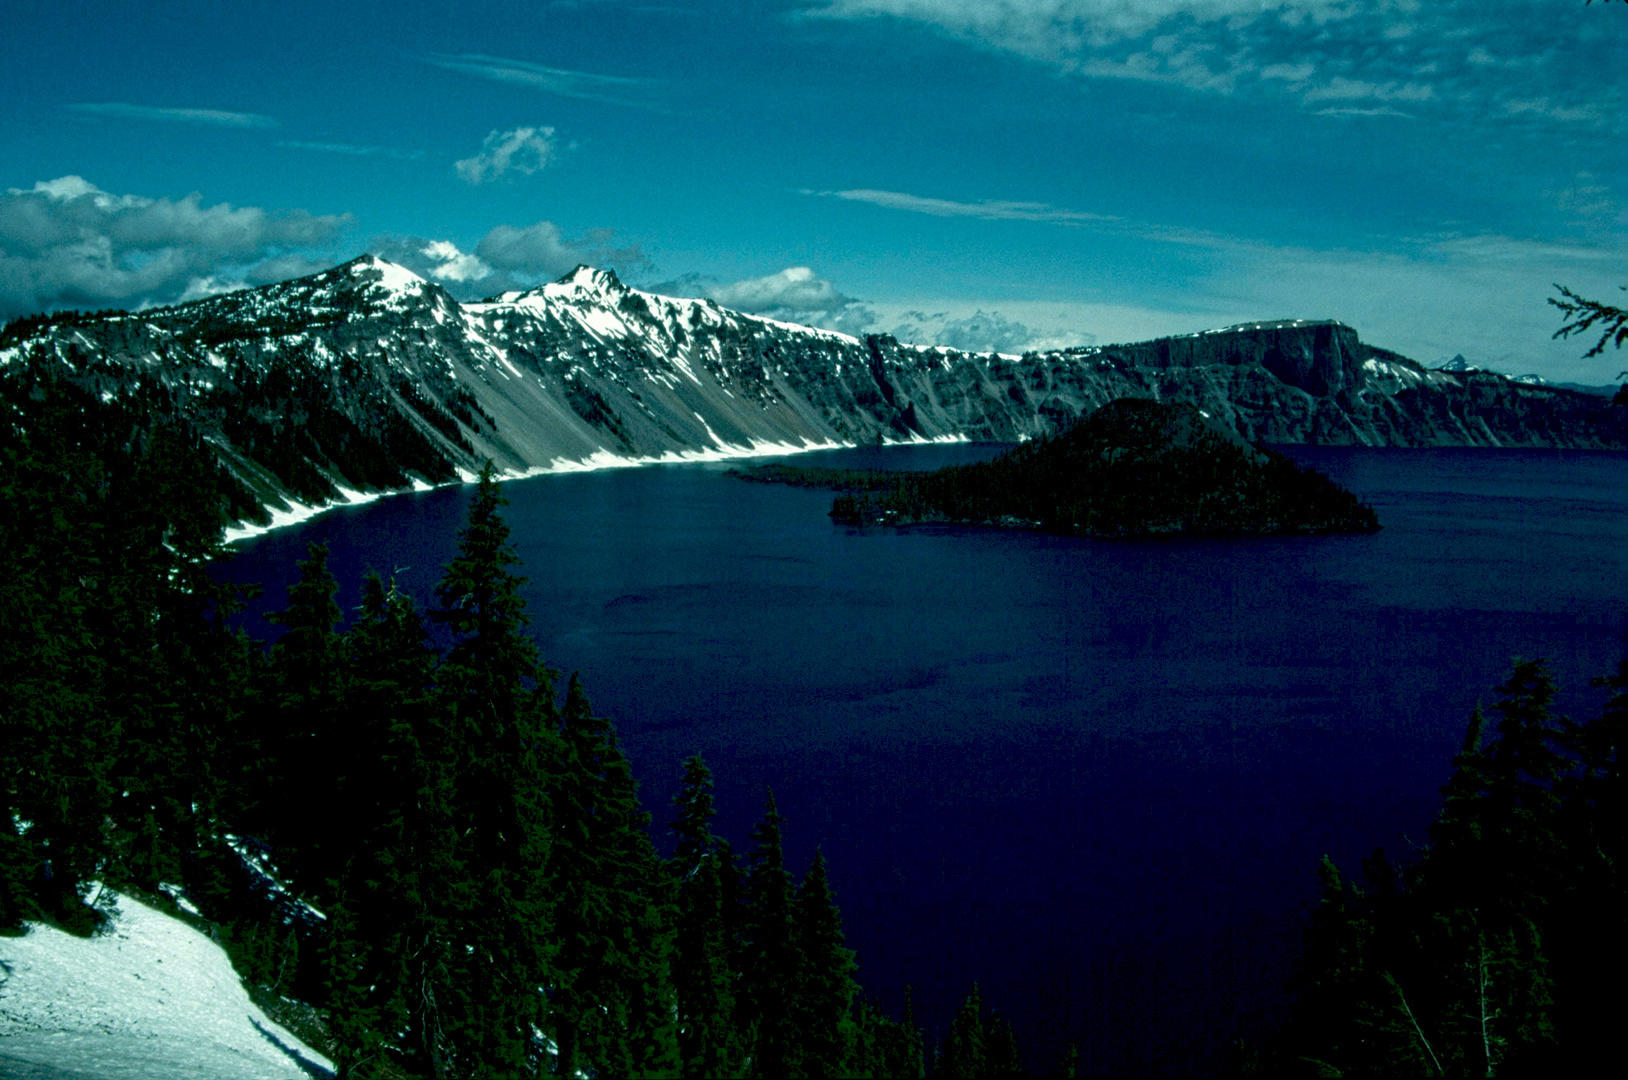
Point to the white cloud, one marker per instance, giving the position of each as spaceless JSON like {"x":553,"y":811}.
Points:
{"x":450,"y":264}
{"x":525,"y":150}
{"x":794,"y":290}
{"x":990,"y":210}
{"x":796,"y":294}
{"x":1049,"y":28}
{"x":205,"y":117}
{"x":613,"y":89}
{"x":1383,"y":110}
{"x":535,"y":249}
{"x":1549,"y":110}
{"x":506,"y":258}
{"x":1294,"y":73}
{"x":1340,"y":88}
{"x":352,"y":149}
{"x":982,"y":331}
{"x":1461,"y":57}
{"x":284,"y":267}
{"x":67,"y":243}
{"x":1588,"y":202}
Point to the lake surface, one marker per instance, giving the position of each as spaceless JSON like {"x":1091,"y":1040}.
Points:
{"x":1096,"y":777}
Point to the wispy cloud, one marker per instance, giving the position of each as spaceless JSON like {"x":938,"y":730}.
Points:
{"x":989,"y":210}
{"x":611,"y":89}
{"x":1340,"y":88}
{"x":523,"y":151}
{"x":1383,"y":110}
{"x":1462,"y":61}
{"x":202,"y":117}
{"x":1042,"y":27}
{"x":1550,"y":110}
{"x":352,"y":149}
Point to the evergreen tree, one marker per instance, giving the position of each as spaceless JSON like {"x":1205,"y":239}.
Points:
{"x":500,"y":730}
{"x":355,"y":1011}
{"x":702,"y":973}
{"x":1332,"y":977}
{"x":1000,"y":1049}
{"x":304,"y":709}
{"x":1446,"y":968}
{"x":978,"y":1048}
{"x":883,"y":1047}
{"x":613,"y":1002}
{"x":402,"y":860}
{"x":770,"y":960}
{"x":963,"y":1054}
{"x":692,"y":822}
{"x":824,"y":989}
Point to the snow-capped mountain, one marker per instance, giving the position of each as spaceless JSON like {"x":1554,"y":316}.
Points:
{"x":1457,"y":363}
{"x":367,"y":377}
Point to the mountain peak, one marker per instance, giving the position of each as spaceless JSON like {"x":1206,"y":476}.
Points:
{"x":392,"y":277}
{"x":590,"y":279}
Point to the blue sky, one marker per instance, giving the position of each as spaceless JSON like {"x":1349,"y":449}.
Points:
{"x":982,"y":173}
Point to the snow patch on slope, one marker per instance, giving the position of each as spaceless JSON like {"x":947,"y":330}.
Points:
{"x":604,"y":459}
{"x":151,"y":999}
{"x":296,"y":512}
{"x":392,"y":278}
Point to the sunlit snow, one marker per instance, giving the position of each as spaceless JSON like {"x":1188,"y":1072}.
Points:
{"x":149,"y":999}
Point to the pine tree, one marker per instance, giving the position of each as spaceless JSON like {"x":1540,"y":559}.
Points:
{"x":1001,"y":1052}
{"x":963,"y":1055}
{"x":1332,"y":977}
{"x":297,"y":731}
{"x":770,"y":961}
{"x":613,"y":1003}
{"x":824,"y":988}
{"x":354,"y":1009}
{"x":692,"y":823}
{"x":401,"y":867}
{"x":702,"y":972}
{"x":500,"y":728}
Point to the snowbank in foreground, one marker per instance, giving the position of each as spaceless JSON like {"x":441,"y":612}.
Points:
{"x":152,"y":999}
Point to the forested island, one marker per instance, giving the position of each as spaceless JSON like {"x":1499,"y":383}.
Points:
{"x":1133,"y":468}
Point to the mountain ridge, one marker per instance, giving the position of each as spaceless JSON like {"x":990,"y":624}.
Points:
{"x":368,"y":378}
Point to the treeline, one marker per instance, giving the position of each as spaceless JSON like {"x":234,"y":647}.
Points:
{"x":494,"y":903}
{"x":289,"y":428}
{"x":1499,"y":950}
{"x":1133,"y":468}
{"x":401,"y":822}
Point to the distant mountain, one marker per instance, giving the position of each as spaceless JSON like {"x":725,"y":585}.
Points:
{"x":1460,"y":365}
{"x":368,"y":378}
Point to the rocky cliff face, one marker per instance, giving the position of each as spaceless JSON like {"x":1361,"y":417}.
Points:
{"x":368,"y":377}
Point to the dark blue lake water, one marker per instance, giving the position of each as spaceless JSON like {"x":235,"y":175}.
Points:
{"x":1095,"y":777}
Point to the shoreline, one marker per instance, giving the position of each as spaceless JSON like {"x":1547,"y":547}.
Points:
{"x":296,"y":513}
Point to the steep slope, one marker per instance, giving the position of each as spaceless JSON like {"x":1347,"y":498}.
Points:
{"x":149,"y":999}
{"x":366,"y":377}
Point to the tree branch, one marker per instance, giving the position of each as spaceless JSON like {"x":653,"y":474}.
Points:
{"x":1416,"y":1028}
{"x":1583,"y":315}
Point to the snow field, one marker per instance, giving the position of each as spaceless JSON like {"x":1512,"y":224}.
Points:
{"x":150,"y":998}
